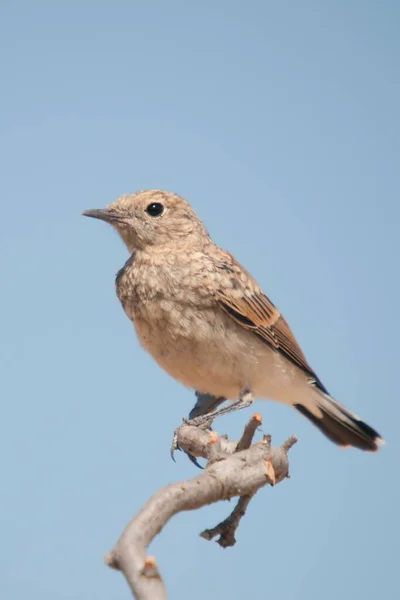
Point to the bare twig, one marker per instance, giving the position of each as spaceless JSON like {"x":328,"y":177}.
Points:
{"x":226,"y":529}
{"x":228,"y":473}
{"x":248,"y":433}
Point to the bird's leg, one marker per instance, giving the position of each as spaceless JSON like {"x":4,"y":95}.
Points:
{"x":246,"y":398}
{"x":206,"y":403}
{"x":204,"y":412}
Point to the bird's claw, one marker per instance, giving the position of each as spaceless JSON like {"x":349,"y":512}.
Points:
{"x":174,"y":445}
{"x":194,"y":460}
{"x":204,"y":422}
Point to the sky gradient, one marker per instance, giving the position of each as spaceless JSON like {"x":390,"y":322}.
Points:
{"x":280,"y":123}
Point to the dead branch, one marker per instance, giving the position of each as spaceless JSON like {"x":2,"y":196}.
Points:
{"x":234,"y":468}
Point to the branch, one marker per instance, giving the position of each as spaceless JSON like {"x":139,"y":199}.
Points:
{"x":227,"y":529}
{"x":233,"y":469}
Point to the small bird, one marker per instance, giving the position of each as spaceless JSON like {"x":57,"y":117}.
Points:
{"x":206,"y":321}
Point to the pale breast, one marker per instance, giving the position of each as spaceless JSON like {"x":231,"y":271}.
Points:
{"x":205,"y":351}
{"x":191,"y":337}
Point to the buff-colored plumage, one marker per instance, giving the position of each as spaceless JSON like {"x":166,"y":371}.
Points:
{"x":206,"y":321}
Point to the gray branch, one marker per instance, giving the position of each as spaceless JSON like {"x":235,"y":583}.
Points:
{"x":233,"y":469}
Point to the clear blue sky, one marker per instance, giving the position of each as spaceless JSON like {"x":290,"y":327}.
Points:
{"x":279,"y":121}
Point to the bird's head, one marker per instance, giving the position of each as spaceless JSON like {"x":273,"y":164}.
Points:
{"x":152,"y":218}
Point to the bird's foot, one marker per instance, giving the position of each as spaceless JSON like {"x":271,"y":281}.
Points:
{"x":204,"y":421}
{"x":205,"y":404}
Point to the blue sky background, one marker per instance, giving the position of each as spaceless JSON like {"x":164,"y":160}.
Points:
{"x":279,"y":121}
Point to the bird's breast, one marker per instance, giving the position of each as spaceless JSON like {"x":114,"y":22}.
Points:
{"x":202,"y":348}
{"x":190,"y":336}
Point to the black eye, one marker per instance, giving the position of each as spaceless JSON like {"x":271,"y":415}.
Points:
{"x":155,"y":209}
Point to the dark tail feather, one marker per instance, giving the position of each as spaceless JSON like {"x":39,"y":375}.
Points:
{"x":341,"y":426}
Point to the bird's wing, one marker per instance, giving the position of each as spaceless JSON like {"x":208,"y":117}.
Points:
{"x":239,"y":295}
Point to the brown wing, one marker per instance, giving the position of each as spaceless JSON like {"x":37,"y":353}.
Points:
{"x":239,"y":295}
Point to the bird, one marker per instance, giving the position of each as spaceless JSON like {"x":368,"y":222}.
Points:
{"x":207,"y":322}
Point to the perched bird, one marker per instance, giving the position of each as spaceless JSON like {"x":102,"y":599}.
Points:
{"x":206,"y":321}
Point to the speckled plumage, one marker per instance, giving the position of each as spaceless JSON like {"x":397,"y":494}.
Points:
{"x":205,"y":320}
{"x":179,"y":322}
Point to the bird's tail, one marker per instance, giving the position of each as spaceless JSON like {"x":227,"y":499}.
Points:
{"x":340,"y":425}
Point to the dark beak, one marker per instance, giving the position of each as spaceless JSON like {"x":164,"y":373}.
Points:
{"x":103,"y":214}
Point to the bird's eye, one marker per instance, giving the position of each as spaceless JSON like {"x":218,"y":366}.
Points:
{"x":155,"y":209}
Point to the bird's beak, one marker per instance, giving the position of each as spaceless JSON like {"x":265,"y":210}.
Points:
{"x":103,"y":214}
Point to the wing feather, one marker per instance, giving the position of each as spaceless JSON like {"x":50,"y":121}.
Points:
{"x":241,"y":298}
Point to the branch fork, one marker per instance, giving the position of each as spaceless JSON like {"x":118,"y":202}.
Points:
{"x":234,"y":468}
